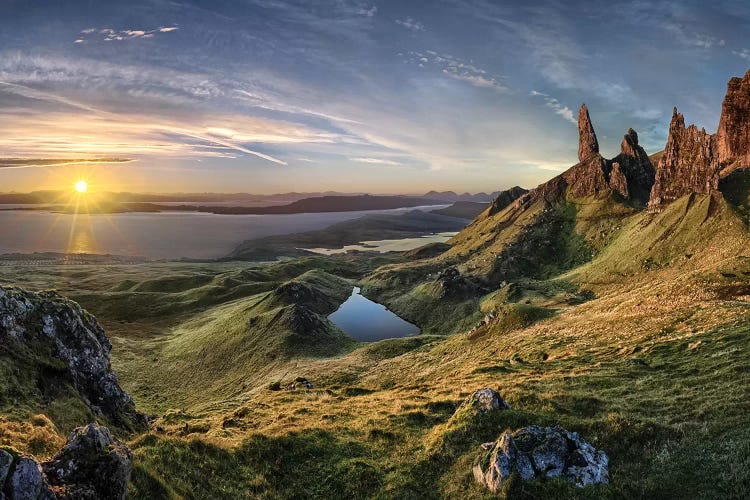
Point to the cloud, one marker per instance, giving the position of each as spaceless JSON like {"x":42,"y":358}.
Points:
{"x":459,"y":69}
{"x":112,"y":35}
{"x":57,"y":162}
{"x":377,"y":161}
{"x":690,"y":37}
{"x":743,"y":53}
{"x":368,"y":12}
{"x":410,"y":24}
{"x":556,"y":106}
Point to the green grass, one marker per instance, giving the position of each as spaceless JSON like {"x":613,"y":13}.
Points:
{"x":641,"y":345}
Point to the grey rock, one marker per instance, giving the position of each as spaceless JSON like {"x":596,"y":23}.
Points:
{"x":74,"y":337}
{"x":92,"y":464}
{"x":6,"y":461}
{"x":536,"y":452}
{"x":28,"y":481}
{"x":486,"y":399}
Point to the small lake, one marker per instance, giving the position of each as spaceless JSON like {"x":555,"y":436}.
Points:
{"x":368,"y":321}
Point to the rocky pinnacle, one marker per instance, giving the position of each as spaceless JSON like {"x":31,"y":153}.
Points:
{"x":587,"y":144}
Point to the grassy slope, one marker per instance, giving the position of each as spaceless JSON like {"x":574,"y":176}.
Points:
{"x":643,"y":350}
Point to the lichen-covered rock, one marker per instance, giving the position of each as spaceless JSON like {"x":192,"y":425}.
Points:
{"x":91,"y":465}
{"x":484,"y":400}
{"x":535,"y":452}
{"x":50,"y":325}
{"x":28,"y":482}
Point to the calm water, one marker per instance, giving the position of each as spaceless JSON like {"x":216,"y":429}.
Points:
{"x":166,"y":235}
{"x":402,"y":245}
{"x":368,"y":321}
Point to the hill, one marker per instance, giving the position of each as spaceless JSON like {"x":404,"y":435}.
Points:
{"x":611,"y":300}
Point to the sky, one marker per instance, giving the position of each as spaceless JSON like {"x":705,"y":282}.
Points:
{"x":375,"y":96}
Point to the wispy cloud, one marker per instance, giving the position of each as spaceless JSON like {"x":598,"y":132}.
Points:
{"x":368,"y":12}
{"x":377,"y":161}
{"x":459,"y":69}
{"x":57,"y":162}
{"x":410,"y":24}
{"x":743,"y":53}
{"x":112,"y":35}
{"x":556,"y":106}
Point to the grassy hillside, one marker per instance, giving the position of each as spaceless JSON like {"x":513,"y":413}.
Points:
{"x":631,"y":329}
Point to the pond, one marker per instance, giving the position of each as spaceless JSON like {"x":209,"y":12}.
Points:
{"x":368,"y":321}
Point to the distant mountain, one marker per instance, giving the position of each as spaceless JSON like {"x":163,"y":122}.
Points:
{"x":368,"y":228}
{"x":59,"y":196}
{"x":463,"y":209}
{"x":453,"y":197}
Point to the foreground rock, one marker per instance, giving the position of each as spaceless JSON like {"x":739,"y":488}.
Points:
{"x":541,"y":452}
{"x":92,"y":465}
{"x":484,"y":400}
{"x":54,"y":340}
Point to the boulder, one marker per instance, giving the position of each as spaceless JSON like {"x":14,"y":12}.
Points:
{"x":28,"y":481}
{"x":484,"y":400}
{"x":541,"y":452}
{"x":91,"y":465}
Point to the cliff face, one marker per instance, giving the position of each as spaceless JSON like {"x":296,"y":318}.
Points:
{"x":733,"y":135}
{"x":694,"y":160}
{"x":690,"y":164}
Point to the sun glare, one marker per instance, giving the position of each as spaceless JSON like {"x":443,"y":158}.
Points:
{"x":81,"y":186}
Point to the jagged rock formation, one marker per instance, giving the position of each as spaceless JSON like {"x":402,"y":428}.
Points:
{"x":690,"y":164}
{"x":588,"y":145}
{"x":733,"y":135}
{"x":541,"y":452}
{"x":632,"y":174}
{"x":694,"y":161}
{"x":92,"y":465}
{"x":45,"y":329}
{"x":505,"y":198}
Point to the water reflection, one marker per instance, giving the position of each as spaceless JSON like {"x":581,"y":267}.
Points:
{"x":368,"y":321}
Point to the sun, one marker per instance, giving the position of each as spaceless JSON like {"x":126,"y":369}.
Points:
{"x":81,"y":186}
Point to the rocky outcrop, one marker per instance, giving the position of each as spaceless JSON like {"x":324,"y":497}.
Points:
{"x":91,"y":466}
{"x":484,"y":400}
{"x":733,"y":135}
{"x":588,"y":145}
{"x":690,"y":164}
{"x":541,"y":452}
{"x":632,"y":173}
{"x":694,"y":161}
{"x":505,"y":198}
{"x":60,"y":333}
